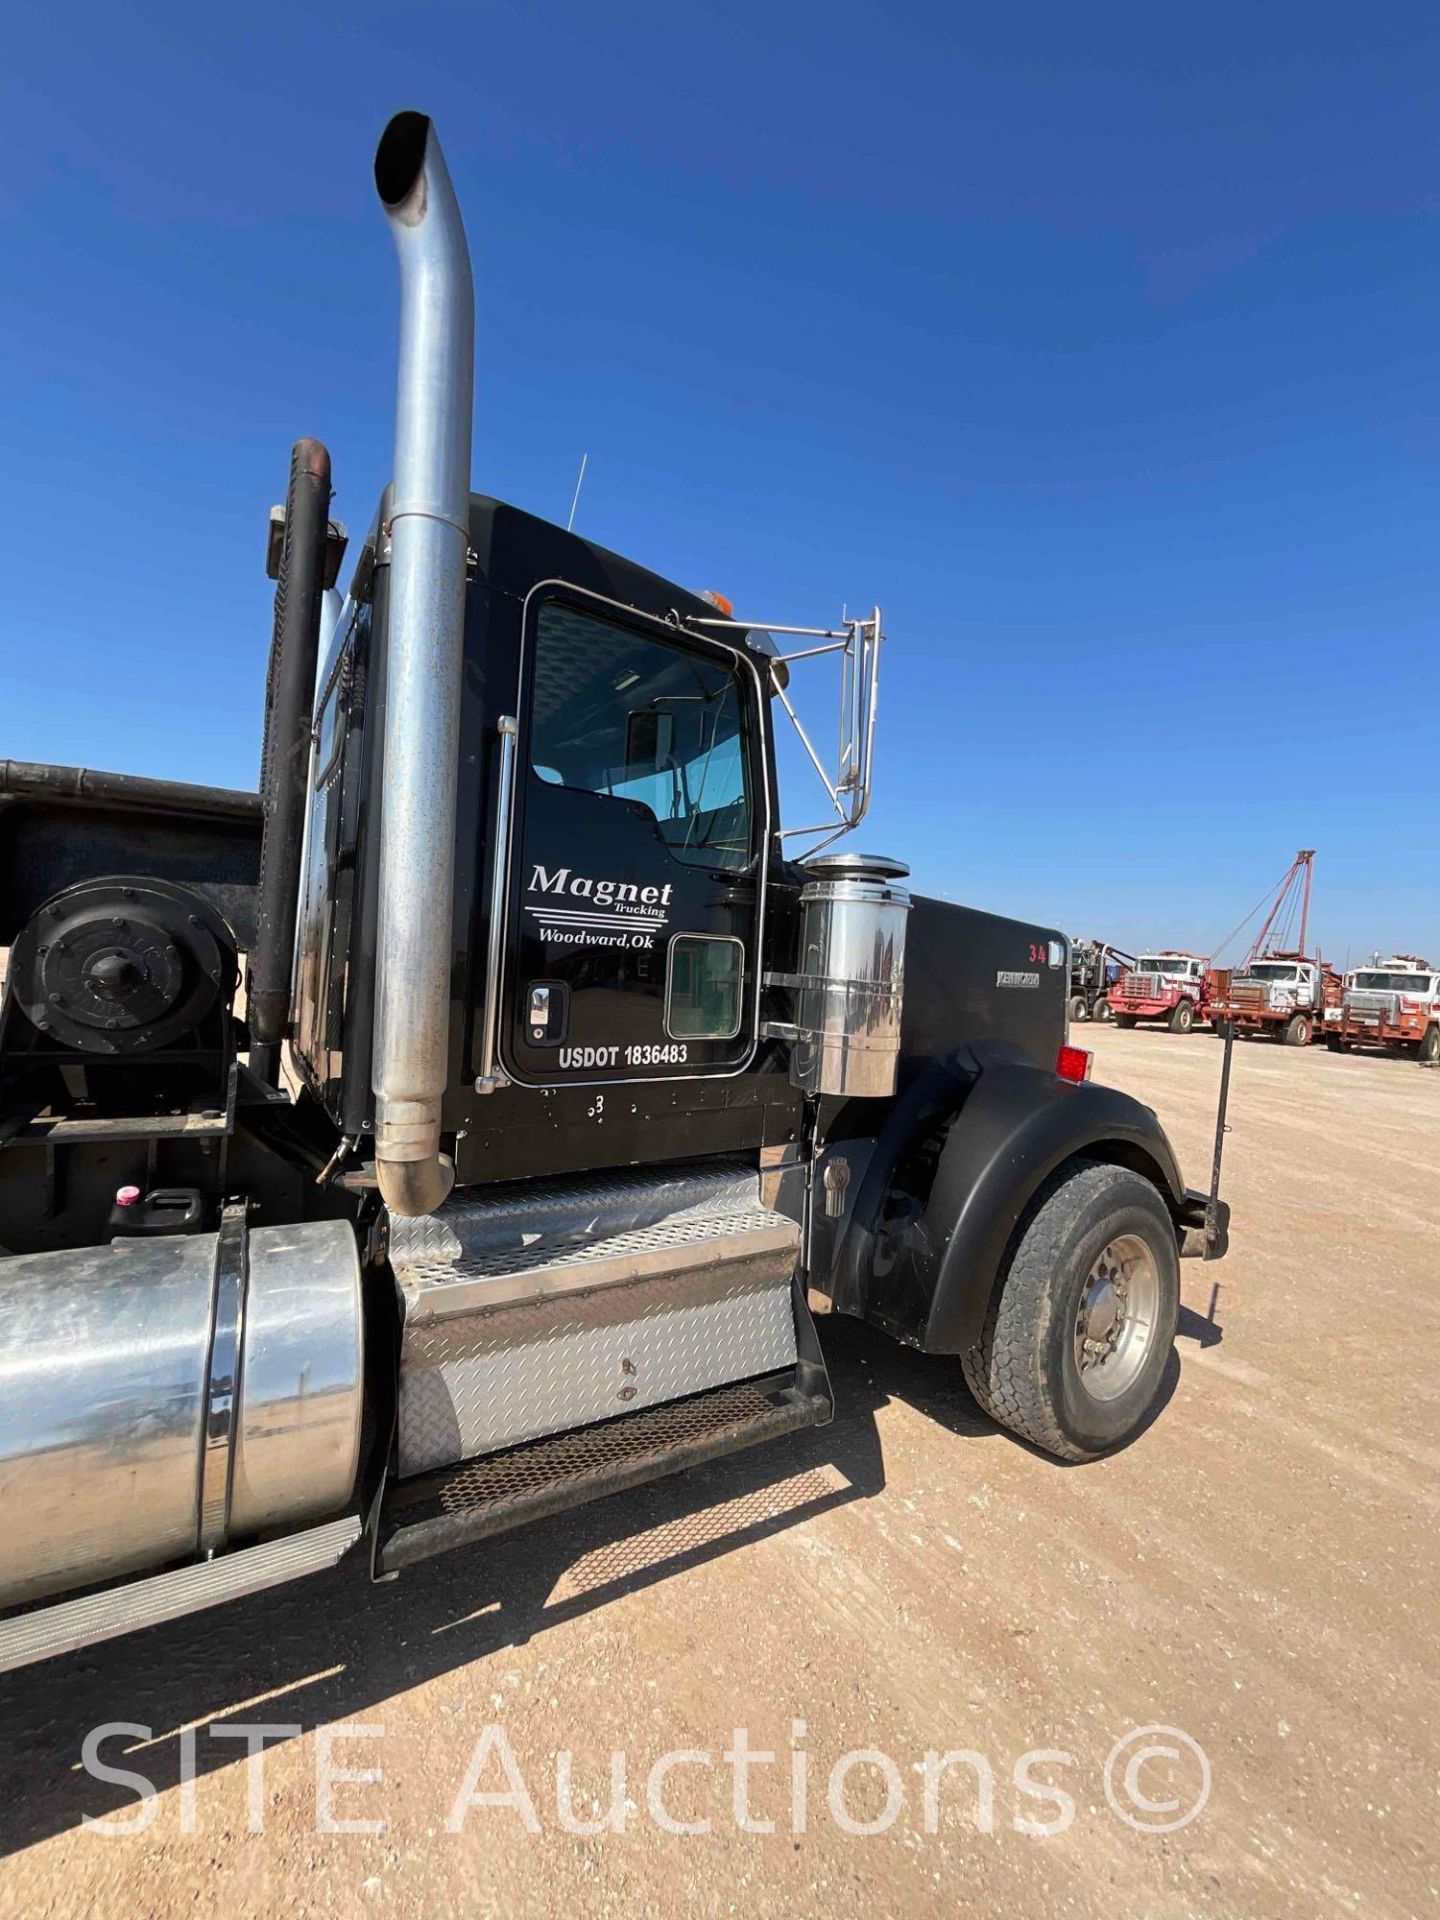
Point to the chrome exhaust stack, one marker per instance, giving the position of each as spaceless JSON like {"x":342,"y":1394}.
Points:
{"x":429,"y":541}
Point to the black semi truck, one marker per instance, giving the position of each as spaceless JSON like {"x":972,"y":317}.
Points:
{"x":1095,"y":967}
{"x":475,"y":1121}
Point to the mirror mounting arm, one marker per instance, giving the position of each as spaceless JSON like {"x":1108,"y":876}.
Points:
{"x":857,"y":642}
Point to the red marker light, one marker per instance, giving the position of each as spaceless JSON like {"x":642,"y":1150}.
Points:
{"x":127,"y":1196}
{"x":1073,"y":1063}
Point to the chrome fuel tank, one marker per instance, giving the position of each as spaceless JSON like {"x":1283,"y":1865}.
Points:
{"x":160,"y":1397}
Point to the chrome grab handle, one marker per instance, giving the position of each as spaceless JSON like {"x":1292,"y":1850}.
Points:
{"x":490,"y":1079}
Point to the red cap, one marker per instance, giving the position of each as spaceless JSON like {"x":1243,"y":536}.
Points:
{"x":127,"y":1196}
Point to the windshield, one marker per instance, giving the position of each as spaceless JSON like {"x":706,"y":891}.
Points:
{"x":1272,"y":970}
{"x":1158,"y":963}
{"x":1394,"y":982}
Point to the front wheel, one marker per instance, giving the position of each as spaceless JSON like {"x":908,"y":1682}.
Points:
{"x":1073,"y":1352}
{"x":1183,"y":1018}
{"x":1078,"y":1008}
{"x":1126,"y":1020}
{"x":1102,"y":1010}
{"x":1297,"y":1030}
{"x":1430,"y":1047}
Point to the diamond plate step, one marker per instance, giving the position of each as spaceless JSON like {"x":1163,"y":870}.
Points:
{"x":470,"y":1502}
{"x":550,"y":1305}
{"x":518,"y":1242}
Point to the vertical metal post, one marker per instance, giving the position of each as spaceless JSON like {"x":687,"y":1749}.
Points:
{"x":1212,"y":1205}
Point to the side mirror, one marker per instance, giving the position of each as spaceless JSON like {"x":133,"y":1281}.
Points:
{"x":858,"y":643}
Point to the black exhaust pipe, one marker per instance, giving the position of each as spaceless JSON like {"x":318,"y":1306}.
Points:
{"x":285,"y":754}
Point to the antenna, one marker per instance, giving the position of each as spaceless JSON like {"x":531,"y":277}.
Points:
{"x":579,"y":482}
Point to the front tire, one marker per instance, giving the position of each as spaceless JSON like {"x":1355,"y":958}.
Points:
{"x":1183,"y":1017}
{"x":1078,"y":1008}
{"x":1430,"y":1047}
{"x":1126,"y":1020}
{"x":1079,"y":1331}
{"x":1102,"y":1010}
{"x":1297,"y":1031}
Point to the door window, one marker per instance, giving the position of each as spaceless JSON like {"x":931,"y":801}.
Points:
{"x":649,"y":724}
{"x":703,"y":989}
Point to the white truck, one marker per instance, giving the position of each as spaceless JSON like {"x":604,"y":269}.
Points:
{"x":1393,"y":1005}
{"x":1283,"y":994}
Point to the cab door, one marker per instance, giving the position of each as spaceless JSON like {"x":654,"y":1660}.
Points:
{"x":639,"y":841}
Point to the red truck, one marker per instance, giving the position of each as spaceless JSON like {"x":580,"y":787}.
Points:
{"x":1169,"y":986}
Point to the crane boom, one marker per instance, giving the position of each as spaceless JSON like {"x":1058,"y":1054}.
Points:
{"x":1293,"y":890}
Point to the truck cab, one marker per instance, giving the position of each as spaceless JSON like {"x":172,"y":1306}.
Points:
{"x":1286,"y":994}
{"x":1164,"y":986}
{"x":483,"y":1118}
{"x":1392,"y":1005}
{"x":1095,"y":967}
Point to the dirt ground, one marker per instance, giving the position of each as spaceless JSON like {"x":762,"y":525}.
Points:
{"x":1257,"y":1574}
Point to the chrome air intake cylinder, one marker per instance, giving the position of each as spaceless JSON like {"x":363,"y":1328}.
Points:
{"x":849,"y":991}
{"x":160,"y":1398}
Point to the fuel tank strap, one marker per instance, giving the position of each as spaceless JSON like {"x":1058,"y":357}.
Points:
{"x":223,"y":1384}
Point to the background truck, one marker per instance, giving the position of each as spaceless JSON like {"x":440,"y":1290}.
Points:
{"x":1286,"y":995}
{"x":564,"y":1096}
{"x":1393,"y":1005}
{"x":1095,"y":967}
{"x":1279,"y":989}
{"x":1171,"y":987}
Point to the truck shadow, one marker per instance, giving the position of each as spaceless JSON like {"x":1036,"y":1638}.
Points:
{"x":334,"y":1647}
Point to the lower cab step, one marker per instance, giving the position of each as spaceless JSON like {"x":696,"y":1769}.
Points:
{"x":434,"y":1512}
{"x":63,"y":1626}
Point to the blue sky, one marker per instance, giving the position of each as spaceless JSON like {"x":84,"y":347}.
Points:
{"x":1098,"y":344}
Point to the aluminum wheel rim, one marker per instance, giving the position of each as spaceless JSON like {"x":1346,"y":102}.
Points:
{"x":1115,"y":1318}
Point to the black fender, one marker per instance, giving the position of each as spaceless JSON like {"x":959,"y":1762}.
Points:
{"x":1017,"y":1127}
{"x":928,"y":1275}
